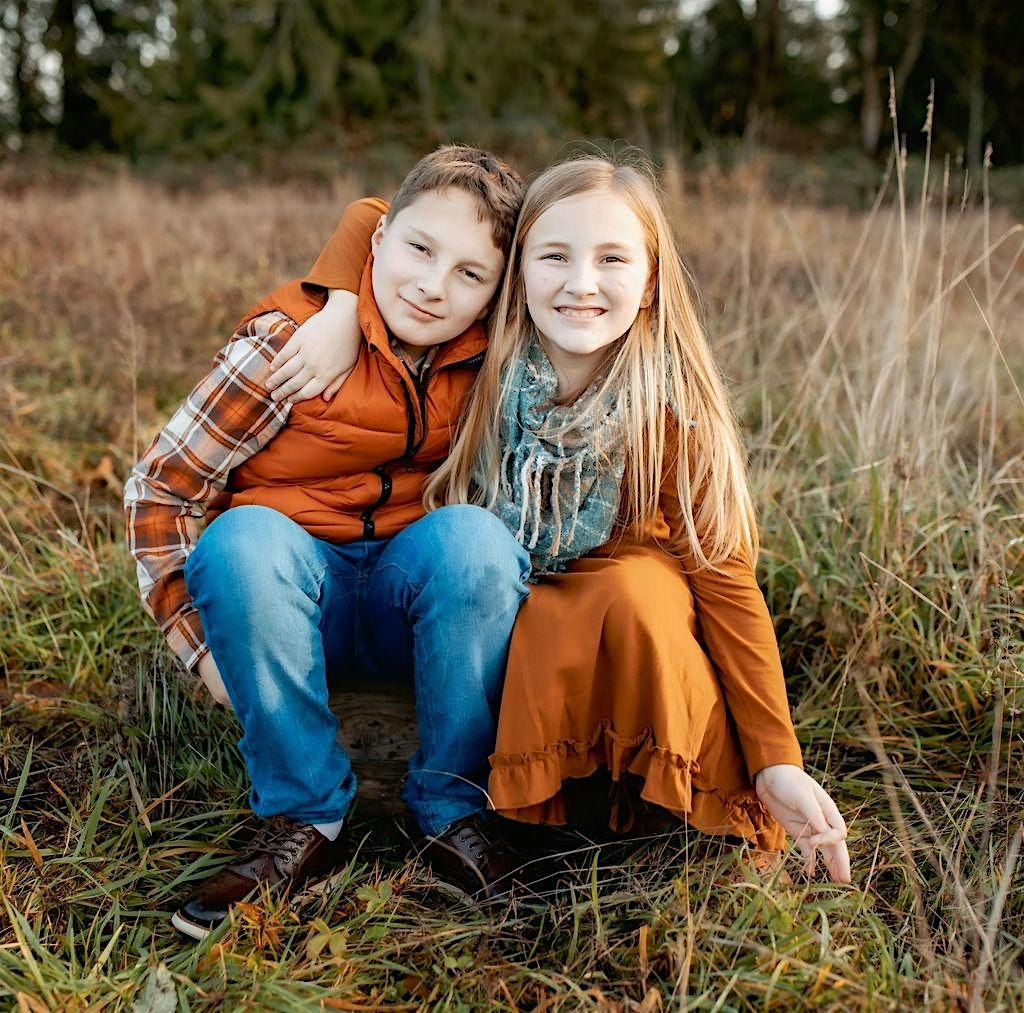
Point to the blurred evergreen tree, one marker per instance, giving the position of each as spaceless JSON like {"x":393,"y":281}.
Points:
{"x":751,"y":72}
{"x":21,"y":100}
{"x":972,"y":51}
{"x":199,"y":78}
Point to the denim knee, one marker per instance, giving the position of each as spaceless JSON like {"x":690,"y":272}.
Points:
{"x":470,"y":542}
{"x":248,"y":547}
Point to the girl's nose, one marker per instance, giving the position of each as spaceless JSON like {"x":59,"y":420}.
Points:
{"x":582,"y":281}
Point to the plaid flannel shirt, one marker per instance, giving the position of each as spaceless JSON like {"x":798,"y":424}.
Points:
{"x":228,"y":417}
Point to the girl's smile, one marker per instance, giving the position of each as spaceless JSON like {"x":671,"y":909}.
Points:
{"x":586,"y":273}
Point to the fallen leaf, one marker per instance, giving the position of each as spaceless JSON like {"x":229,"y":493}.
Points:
{"x":26,"y":836}
{"x":159,"y":995}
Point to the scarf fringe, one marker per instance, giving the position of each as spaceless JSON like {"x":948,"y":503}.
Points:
{"x":539,"y":445}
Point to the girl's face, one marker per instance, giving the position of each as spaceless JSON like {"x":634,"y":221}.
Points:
{"x":586,"y":273}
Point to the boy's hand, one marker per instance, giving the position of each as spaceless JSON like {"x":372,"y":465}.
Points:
{"x":807,"y":812}
{"x":320,"y":354}
{"x":210,"y":675}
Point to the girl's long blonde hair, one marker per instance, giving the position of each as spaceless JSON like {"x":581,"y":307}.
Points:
{"x":663,"y":360}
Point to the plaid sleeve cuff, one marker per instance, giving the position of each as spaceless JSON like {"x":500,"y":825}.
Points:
{"x":186,"y":638}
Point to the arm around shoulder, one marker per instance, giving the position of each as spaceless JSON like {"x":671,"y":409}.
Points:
{"x":325,"y":347}
{"x":341,"y":261}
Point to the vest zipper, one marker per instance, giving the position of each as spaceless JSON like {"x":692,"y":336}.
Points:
{"x":369,"y":525}
{"x":421,"y":389}
{"x":385,"y":494}
{"x":423,"y":382}
{"x":412,"y":447}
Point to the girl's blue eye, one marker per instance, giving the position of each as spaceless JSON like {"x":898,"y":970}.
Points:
{"x":552,"y":256}
{"x":472,"y":276}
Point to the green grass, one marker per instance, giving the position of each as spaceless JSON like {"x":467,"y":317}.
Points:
{"x":876,"y":360}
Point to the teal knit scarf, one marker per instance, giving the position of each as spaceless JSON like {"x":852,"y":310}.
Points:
{"x":562,"y":466}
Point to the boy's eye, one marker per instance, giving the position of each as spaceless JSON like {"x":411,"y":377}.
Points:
{"x":418,"y":247}
{"x":614,"y":258}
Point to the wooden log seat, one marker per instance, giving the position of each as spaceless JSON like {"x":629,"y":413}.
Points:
{"x":378,"y":730}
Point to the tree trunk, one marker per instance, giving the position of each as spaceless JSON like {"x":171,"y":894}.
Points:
{"x":186,"y":49}
{"x":975,"y":98}
{"x":429,"y":58}
{"x":78,"y":113}
{"x":24,"y":111}
{"x":871,"y":106}
{"x":912,"y":45}
{"x":768,"y":60}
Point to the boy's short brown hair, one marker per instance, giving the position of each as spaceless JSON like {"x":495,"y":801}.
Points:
{"x":497,"y":186}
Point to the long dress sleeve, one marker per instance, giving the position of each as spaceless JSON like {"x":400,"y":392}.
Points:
{"x":738,"y":633}
{"x":339,"y":266}
{"x":341,"y":262}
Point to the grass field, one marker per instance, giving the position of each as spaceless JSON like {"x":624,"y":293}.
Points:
{"x":876,"y":360}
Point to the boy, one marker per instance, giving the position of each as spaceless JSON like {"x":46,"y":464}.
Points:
{"x":319,"y":558}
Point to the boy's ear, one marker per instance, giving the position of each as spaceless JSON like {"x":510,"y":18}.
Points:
{"x":378,"y":233}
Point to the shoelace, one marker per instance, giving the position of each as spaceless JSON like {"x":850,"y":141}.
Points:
{"x":283,"y":838}
{"x":475,"y":840}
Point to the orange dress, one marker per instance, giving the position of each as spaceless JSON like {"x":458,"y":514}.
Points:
{"x":625,"y":661}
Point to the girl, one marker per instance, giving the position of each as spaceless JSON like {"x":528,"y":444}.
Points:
{"x":600,"y":432}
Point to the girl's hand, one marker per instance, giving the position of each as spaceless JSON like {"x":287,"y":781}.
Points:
{"x":804,"y":808}
{"x":210,"y":674}
{"x":320,"y":354}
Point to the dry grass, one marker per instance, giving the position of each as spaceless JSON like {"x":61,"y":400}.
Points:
{"x":876,"y":361}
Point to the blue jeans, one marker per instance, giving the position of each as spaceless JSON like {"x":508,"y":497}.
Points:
{"x":282,"y":610}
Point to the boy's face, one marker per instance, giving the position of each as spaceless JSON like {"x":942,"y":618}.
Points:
{"x":435,"y":268}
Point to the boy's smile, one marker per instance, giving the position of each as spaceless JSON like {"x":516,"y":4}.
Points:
{"x":435,"y":268}
{"x":418,"y":312}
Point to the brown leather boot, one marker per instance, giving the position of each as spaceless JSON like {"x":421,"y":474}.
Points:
{"x":283,"y":854}
{"x":472,"y":856}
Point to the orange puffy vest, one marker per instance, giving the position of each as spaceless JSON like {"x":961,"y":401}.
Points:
{"x":354,"y":467}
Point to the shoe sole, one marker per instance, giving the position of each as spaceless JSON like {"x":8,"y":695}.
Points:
{"x":189,"y":928}
{"x":199,"y":932}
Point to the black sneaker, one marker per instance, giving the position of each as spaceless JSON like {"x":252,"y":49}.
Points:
{"x":472,"y":856}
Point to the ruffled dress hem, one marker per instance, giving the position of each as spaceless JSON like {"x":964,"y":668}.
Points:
{"x":528,"y":786}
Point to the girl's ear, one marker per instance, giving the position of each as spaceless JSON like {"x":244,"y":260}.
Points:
{"x":378,"y":233}
{"x":649,"y":290}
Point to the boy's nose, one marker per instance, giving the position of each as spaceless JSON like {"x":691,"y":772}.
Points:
{"x":430,"y":287}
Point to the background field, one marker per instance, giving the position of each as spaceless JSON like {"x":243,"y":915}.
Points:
{"x":876,"y":359}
